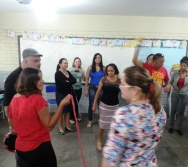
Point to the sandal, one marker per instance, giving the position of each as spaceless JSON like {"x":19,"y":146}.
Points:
{"x":69,"y":130}
{"x":61,"y":133}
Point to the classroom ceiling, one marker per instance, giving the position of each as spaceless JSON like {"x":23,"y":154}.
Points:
{"x":151,"y":8}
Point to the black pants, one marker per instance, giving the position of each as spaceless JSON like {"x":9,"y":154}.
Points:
{"x":77,"y":96}
{"x":42,"y":156}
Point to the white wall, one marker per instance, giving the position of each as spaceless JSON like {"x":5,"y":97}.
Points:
{"x":85,"y":25}
{"x":97,"y":23}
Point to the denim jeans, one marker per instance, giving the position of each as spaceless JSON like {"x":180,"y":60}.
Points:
{"x":178,"y":102}
{"x":92,"y":91}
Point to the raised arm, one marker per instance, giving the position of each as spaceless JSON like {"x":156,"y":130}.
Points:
{"x":135,"y":58}
{"x":87,"y":81}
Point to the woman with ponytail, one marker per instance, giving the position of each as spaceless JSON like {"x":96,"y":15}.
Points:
{"x":136,"y":128}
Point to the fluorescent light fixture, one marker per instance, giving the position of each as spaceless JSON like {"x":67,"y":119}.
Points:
{"x":52,"y":5}
{"x":45,"y":10}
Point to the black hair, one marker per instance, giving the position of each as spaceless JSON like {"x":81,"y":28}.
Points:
{"x":114,"y":67}
{"x":60,"y":61}
{"x":184,"y":60}
{"x":157,"y":55}
{"x":93,"y":68}
{"x":149,"y":56}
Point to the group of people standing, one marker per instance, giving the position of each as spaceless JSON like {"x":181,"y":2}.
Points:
{"x":134,"y":130}
{"x":101,"y":86}
{"x":177,"y":85}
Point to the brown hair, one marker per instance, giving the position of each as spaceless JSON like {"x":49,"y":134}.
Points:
{"x":74,"y":61}
{"x":138,"y":76}
{"x":27,"y":82}
{"x":149,"y":56}
{"x":60,"y":62}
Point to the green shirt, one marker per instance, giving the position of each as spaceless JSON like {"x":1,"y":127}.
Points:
{"x":77,"y":76}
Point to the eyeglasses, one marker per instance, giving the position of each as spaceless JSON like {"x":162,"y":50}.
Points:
{"x":126,"y":86}
{"x":157,"y":55}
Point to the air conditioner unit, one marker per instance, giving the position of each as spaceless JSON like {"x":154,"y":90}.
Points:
{"x":25,"y":2}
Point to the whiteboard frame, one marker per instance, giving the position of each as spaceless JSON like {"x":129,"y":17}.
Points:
{"x":70,"y":63}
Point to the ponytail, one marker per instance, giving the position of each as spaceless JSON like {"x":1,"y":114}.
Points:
{"x":155,"y":97}
{"x":60,"y":61}
{"x":138,"y":76}
{"x":58,"y":67}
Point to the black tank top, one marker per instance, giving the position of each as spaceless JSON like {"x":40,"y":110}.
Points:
{"x":110,"y":91}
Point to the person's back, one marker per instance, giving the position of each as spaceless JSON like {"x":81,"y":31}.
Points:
{"x":9,"y":86}
{"x":136,"y":129}
{"x":142,"y":129}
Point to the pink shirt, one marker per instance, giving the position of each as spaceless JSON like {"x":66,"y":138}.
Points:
{"x":30,"y":130}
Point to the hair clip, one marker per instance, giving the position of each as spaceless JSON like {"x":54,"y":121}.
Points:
{"x":150,"y":81}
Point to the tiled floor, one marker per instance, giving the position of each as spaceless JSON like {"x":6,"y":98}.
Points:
{"x":172,"y":150}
